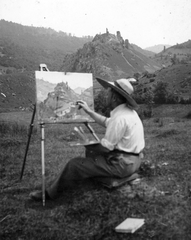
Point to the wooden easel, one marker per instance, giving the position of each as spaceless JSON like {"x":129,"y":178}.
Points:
{"x":42,"y":127}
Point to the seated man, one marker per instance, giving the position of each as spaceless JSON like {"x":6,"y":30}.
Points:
{"x":117,"y":154}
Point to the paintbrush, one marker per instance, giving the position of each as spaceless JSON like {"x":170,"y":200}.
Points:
{"x":82,"y":131}
{"x":82,"y":136}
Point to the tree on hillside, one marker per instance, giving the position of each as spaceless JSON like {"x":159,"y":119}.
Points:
{"x":148,"y":100}
{"x":149,"y":97}
{"x":174,"y":59}
{"x":138,"y":94}
{"x":160,"y":92}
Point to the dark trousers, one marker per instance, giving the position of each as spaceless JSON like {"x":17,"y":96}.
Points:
{"x":79,"y":168}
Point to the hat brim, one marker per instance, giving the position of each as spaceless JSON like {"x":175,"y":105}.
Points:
{"x":107,"y":84}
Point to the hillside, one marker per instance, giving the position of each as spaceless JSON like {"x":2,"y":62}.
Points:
{"x":157,"y":48}
{"x":109,"y":56}
{"x":24,"y":48}
{"x":178,"y":77}
{"x":17,"y":91}
{"x":143,"y":51}
{"x":179,"y":53}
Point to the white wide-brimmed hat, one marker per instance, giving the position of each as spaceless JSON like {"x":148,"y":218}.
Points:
{"x":122,"y":86}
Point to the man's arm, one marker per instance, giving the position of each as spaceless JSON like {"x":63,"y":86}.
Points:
{"x":96,"y":116}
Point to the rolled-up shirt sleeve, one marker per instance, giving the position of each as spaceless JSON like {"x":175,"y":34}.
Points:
{"x":115,"y":129}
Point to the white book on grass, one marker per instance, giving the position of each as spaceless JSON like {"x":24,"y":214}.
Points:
{"x":129,"y":225}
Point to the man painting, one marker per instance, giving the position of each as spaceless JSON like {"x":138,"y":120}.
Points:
{"x":117,"y":154}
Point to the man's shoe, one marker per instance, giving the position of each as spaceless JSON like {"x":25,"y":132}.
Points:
{"x":37,"y":195}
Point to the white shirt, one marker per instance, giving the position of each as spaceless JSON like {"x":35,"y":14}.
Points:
{"x":124,"y":130}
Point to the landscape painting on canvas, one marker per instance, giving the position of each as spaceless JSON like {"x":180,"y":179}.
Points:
{"x":57,"y":94}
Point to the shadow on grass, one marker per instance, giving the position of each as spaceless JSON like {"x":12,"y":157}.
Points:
{"x":82,"y":191}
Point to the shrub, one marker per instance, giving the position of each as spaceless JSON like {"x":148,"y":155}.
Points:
{"x":149,"y":97}
{"x":138,"y":94}
{"x":9,"y":71}
{"x":172,"y":98}
{"x":147,"y":113}
{"x":185,"y":100}
{"x":160,"y":92}
{"x":188,"y":115}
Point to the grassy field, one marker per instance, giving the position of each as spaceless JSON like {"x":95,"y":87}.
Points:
{"x":90,"y":211}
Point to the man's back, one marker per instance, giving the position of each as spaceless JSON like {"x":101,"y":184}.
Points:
{"x":124,"y":130}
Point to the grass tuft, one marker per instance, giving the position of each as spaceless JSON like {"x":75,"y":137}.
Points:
{"x":188,"y":115}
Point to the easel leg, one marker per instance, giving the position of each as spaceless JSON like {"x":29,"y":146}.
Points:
{"x":43,"y":163}
{"x":28,"y":142}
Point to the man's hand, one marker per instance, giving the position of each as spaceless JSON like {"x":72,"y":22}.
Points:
{"x":83,"y":105}
{"x":96,"y":116}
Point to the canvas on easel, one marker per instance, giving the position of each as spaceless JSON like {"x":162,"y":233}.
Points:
{"x":56,"y":97}
{"x":57,"y":93}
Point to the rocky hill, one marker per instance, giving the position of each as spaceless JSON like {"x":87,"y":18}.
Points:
{"x":60,"y":103}
{"x":145,"y":52}
{"x":57,"y":101}
{"x":109,"y":56}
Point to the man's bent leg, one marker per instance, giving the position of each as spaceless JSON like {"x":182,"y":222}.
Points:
{"x":78,"y":169}
{"x":81,"y":168}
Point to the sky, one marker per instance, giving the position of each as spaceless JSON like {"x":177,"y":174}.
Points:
{"x":143,"y":22}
